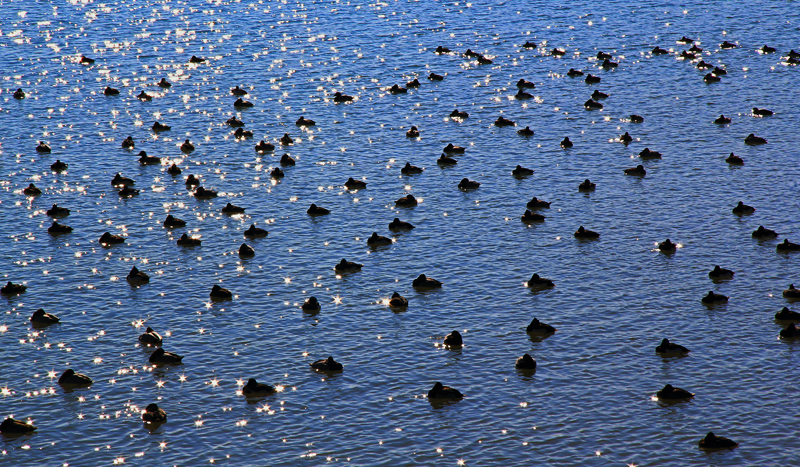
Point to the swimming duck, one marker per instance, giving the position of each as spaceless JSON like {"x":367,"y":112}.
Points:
{"x":659,"y":51}
{"x":11,"y":427}
{"x":144,"y":96}
{"x":521,"y":171}
{"x":591,"y":79}
{"x":712,"y":442}
{"x":191,"y":180}
{"x":727,"y":45}
{"x":599,"y":95}
{"x":787,"y":315}
{"x":793,"y":54}
{"x":761,"y":232}
{"x":790,"y":332}
{"x":646,"y":153}
{"x":315,"y":210}
{"x":144,"y":159}
{"x":558,"y":52}
{"x":424,"y":282}
{"x":286,"y":139}
{"x":714,"y":298}
{"x":397,"y":224}
{"x":453,"y":339}
{"x":525,"y":131}
{"x":587,"y":186}
{"x":255,"y":389}
{"x":442,"y":392}
{"x":762,"y":112}
{"x":287,"y":160}
{"x":710,"y":78}
{"x":522,"y":84}
{"x":435,"y":77}
{"x":566,"y":143}
{"x":264,"y":146}
{"x":311,"y":305}
{"x":159,"y":127}
{"x":413,"y":83}
{"x":791,"y":292}
{"x":529,"y":217}
{"x":347,"y":266}
{"x":135,"y":276}
{"x":13,"y":289}
{"x":173,"y":222}
{"x":220,"y":293}
{"x":539,"y":282}
{"x":187,"y":146}
{"x":327,"y":364}
{"x":31,"y":190}
{"x":467,"y":184}
{"x":57,"y":211}
{"x":592,"y":105}
{"x":719,"y":71}
{"x":722,"y":120}
{"x":603,"y":56}
{"x":668,"y":246}
{"x":186,"y":240}
{"x":442,"y":50}
{"x":609,"y":64}
{"x":536,"y":203}
{"x":57,"y":229}
{"x":395,"y":89}
{"x":202,"y":193}
{"x":109,"y":239}
{"x":164,"y":83}
{"x":719,"y":273}
{"x":525,"y":362}
{"x":234,"y":122}
{"x":161,"y":357}
{"x":86,"y":60}
{"x":573,"y":73}
{"x":43,"y":318}
{"x":127,"y":192}
{"x":484,"y":61}
{"x":529,"y":45}
{"x":233,"y":209}
{"x":255,"y":232}
{"x":242,"y":133}
{"x":685,"y":40}
{"x":687,"y":55}
{"x":672,"y":393}
{"x":626,"y":138}
{"x":637,"y":118}
{"x":19,"y":94}
{"x":409,"y":169}
{"x":788,"y":246}
{"x":376,"y":240}
{"x":72,"y":379}
{"x":353,"y":184}
{"x":246,"y":251}
{"x":469,"y":53}
{"x":413,"y":132}
{"x":742,"y":208}
{"x":456,"y":114}
{"x":242,"y":104}
{"x":174,"y":170}
{"x":43,"y":148}
{"x":734,"y":160}
{"x":197,"y":60}
{"x":237,"y":91}
{"x":398,"y":301}
{"x":109,"y":91}
{"x":444,"y":160}
{"x":538,"y":328}
{"x":667,"y":348}
{"x":502,"y":121}
{"x":153,"y":414}
{"x":151,"y":338}
{"x":338,"y":97}
{"x":407,"y":201}
{"x":703,"y":65}
{"x":119,"y":180}
{"x":583,"y":233}
{"x":695,"y":49}
{"x":520,"y":95}
{"x":637,"y":171}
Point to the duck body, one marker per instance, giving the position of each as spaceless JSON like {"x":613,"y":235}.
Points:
{"x":529,"y":217}
{"x":203,"y":193}
{"x":441,"y":392}
{"x":220,"y":293}
{"x":520,"y":95}
{"x":786,"y":245}
{"x":57,"y":211}
{"x":119,"y":180}
{"x":742,"y":208}
{"x":135,"y":276}
{"x":762,"y":112}
{"x":711,"y":78}
{"x":445,"y":161}
{"x":412,"y":132}
{"x":734,"y":160}
{"x":670,"y":349}
{"x":407,"y":201}
{"x":376,"y":240}
{"x":186,"y":240}
{"x":246,"y":251}
{"x":31,"y":190}
{"x":672,"y":393}
{"x":668,"y":246}
{"x":450,"y":149}
{"x":144,"y":159}
{"x":43,"y":148}
{"x":414,"y":83}
{"x":255,"y":389}
{"x":286,"y":139}
{"x":19,"y":94}
{"x":409,"y":169}
{"x":263,"y":146}
{"x":237,"y":91}
{"x":43,"y":318}
{"x":467,"y":184}
{"x":353,"y":184}
{"x":232,"y":209}
{"x":587,"y":186}
{"x":234,"y":122}
{"x":328,"y":364}
{"x":173,"y":222}
{"x":13,"y":289}
{"x":108,"y":239}
{"x":109,"y":91}
{"x":72,"y":379}
{"x":787,"y":315}
{"x":762,"y":233}
{"x":159,"y":127}
{"x":187,"y":146}
{"x":573,"y":73}
{"x":143,"y":96}
{"x":536,"y":203}
{"x":164,"y":83}
{"x":315,"y":210}
{"x":396,"y":89}
{"x":347,"y":266}
{"x":242,"y":133}
{"x":722,"y":120}
{"x":646,"y":153}
{"x":398,"y":225}
{"x":398,"y":301}
{"x":424,"y":282}
{"x":435,"y":77}
{"x":525,"y":362}
{"x":753,"y":140}
{"x":714,"y":298}
{"x":287,"y":161}
{"x":311,"y":305}
{"x":637,"y":171}
{"x":525,"y":131}
{"x":540,"y":282}
{"x":592,"y":79}
{"x":790,"y":332}
{"x":659,"y":51}
{"x":719,"y":273}
{"x":255,"y":232}
{"x":716,"y":443}
{"x":520,"y":171}
{"x":58,"y":229}
{"x":586,"y":234}
{"x":453,"y":339}
{"x":599,"y":95}
{"x":127,"y":192}
{"x":592,"y":105}
{"x":339,"y":98}
{"x":162,"y":357}
{"x":11,"y":427}
{"x":151,"y":338}
{"x":791,"y":293}
{"x":191,"y":180}
{"x":128,"y":143}
{"x":153,"y":414}
{"x":538,"y":328}
{"x":277,"y":173}
{"x":566,"y":143}
{"x":242,"y":104}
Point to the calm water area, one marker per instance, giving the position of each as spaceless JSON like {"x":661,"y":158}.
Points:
{"x":591,"y":401}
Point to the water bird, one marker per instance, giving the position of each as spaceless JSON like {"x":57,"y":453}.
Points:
{"x":482,"y":60}
{"x":457,"y":114}
{"x":43,"y":148}
{"x":338,"y":97}
{"x":286,"y":139}
{"x":558,"y":52}
{"x":414,"y":83}
{"x":530,"y":217}
{"x":19,"y":94}
{"x":376,"y":240}
{"x":191,"y":180}
{"x":127,"y":192}
{"x":109,"y":239}
{"x":162,"y":357}
{"x":626,"y":138}
{"x":609,"y":64}
{"x":536,"y":203}
{"x":242,"y":133}
{"x":722,"y":120}
{"x":220,"y":293}
{"x":234,"y":122}
{"x":255,"y":389}
{"x":521,"y":171}
{"x":315,"y":210}
{"x":42,"y":318}
{"x":685,"y":40}
{"x":786,"y":245}
{"x":762,"y":232}
{"x":398,"y":225}
{"x":119,"y":180}
{"x":637,"y":171}
{"x":539,"y":282}
{"x":277,"y":173}
{"x":793,"y":54}
{"x":237,"y":91}
{"x":263,"y":146}
{"x":637,"y":118}
{"x":525,"y":362}
{"x":790,"y":332}
{"x":444,"y":161}
{"x":742,"y":209}
{"x":434,"y":77}
{"x":86,"y":60}
{"x":762,"y":112}
{"x":153,"y":414}
{"x":71,"y":379}
{"x":137,"y":277}
{"x":151,"y":338}
{"x":520,"y":95}
{"x":522,"y":84}
{"x":672,"y":393}
{"x":646,"y":153}
{"x":233,"y":209}
{"x":327,"y":364}
{"x":592,"y":79}
{"x":287,"y":160}
{"x":529,"y":45}
{"x":195,"y":59}
{"x":791,"y":292}
{"x":31,"y":190}
{"x":727,"y":45}
{"x":442,"y":392}
{"x":659,"y":51}
{"x":109,"y":91}
{"x":599,"y":95}
{"x":668,"y":246}
{"x":186,"y":240}
{"x":246,"y":251}
{"x":686,"y":55}
{"x":719,"y":273}
{"x":453,"y":339}
{"x":424,"y":282}
{"x":539,"y":329}
{"x":719,"y":71}
{"x":442,"y":50}
{"x":398,"y":301}
{"x":144,"y":159}
{"x":159,"y":127}
{"x":573,"y":73}
{"x":12,"y":427}
{"x":695,"y":49}
{"x":471,"y":54}
{"x":255,"y":232}
{"x":592,"y":105}
{"x":584,"y":233}
{"x":703,"y":65}
{"x":407,"y":201}
{"x":711,"y":78}
{"x":467,"y":184}
{"x":671,"y":349}
{"x":525,"y":131}
{"x":587,"y":185}
{"x":13,"y":289}
{"x":164,"y":83}
{"x":787,"y":315}
{"x":566,"y":143}
{"x":144,"y":96}
{"x":347,"y":266}
{"x":58,"y":229}
{"x":713,"y":298}
{"x":203,"y":193}
{"x":603,"y":55}
{"x":712,"y":442}
{"x":242,"y":104}
{"x":396,"y":89}
{"x":187,"y":146}
{"x":57,"y":211}
{"x":173,"y":222}
{"x":502,"y":121}
{"x":311,"y":305}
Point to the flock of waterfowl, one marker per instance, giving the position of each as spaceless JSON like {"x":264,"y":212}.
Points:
{"x":153,"y":415}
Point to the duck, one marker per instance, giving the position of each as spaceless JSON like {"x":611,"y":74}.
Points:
{"x":220,"y":293}
{"x":603,"y":56}
{"x":186,"y":240}
{"x":287,"y":160}
{"x":144,"y":96}
{"x":469,"y":53}
{"x":135,"y":276}
{"x":742,"y":208}
{"x":444,"y":161}
{"x":233,"y":209}
{"x":353,"y":184}
{"x":587,"y":185}
{"x":234,"y":122}
{"x":246,"y":251}
{"x":159,"y":127}
{"x":277,"y":173}
{"x":442,"y":50}
{"x":196,"y":59}
{"x":11,"y":427}
{"x":793,"y":54}
{"x":407,"y":201}
{"x":719,"y":71}
{"x":151,"y":338}
{"x":187,"y":146}
{"x":19,"y":94}
{"x":710,"y":78}
{"x":57,"y":229}
{"x":162,"y":357}
{"x":592,"y":79}
{"x":670,"y":349}
{"x":31,"y":190}
{"x":109,"y":239}
{"x":413,"y":83}
{"x":86,"y":60}
{"x":687,"y":55}
{"x":453,"y":339}
{"x":636,"y":118}
{"x":72,"y":379}
{"x":237,"y":91}
{"x":787,"y":315}
{"x":327,"y":364}
{"x":722,"y":120}
{"x":13,"y":289}
{"x":626,"y":138}
{"x":573,"y":73}
{"x":144,"y":159}
{"x":719,"y":273}
{"x":592,"y":105}
{"x":525,"y":362}
{"x":409,"y":169}
{"x":174,"y":170}
{"x":790,"y":332}
{"x":685,"y":40}
{"x":43,"y":148}
{"x":558,"y":52}
{"x":502,"y":121}
{"x":242,"y":104}
{"x":637,"y":171}
{"x":255,"y":232}
{"x":762,"y":112}
{"x":398,"y":301}
{"x":242,"y":133}
{"x":538,"y":328}
{"x":119,"y":180}
{"x":566,"y":143}
{"x":668,"y":246}
{"x":202,"y":193}
{"x":529,"y":217}
{"x":536,"y":203}
{"x":659,"y":51}
{"x":57,"y":211}
{"x":450,"y":149}
{"x":458,"y":114}
{"x":712,"y":298}
{"x":442,"y":392}
{"x":286,"y":139}
{"x":467,"y":184}
{"x":435,"y":77}
{"x":599,"y":95}
{"x":703,"y":65}
{"x":521,"y":171}
{"x":525,"y":131}
{"x":584,"y":233}
{"x":153,"y":414}
{"x":311,"y":305}
{"x":315,"y":210}
{"x":127,"y":192}
{"x":482,"y":60}
{"x":529,"y":45}
{"x":788,"y":246}
{"x":413,"y":132}
{"x":727,"y":45}
{"x":255,"y":389}
{"x":263,"y":146}
{"x":338,"y":98}
{"x":397,"y":225}
{"x":672,"y":393}
{"x":164,"y":83}
{"x":302,"y":121}
{"x":523,"y":84}
{"x":347,"y":266}
{"x":395,"y":89}
{"x":539,"y":282}
{"x":695,"y":49}
{"x":646,"y":153}
{"x":43,"y":318}
{"x":424,"y":282}
{"x":109,"y":91}
{"x":521,"y":95}
{"x":734,"y":160}
{"x":609,"y":64}
{"x":376,"y":240}
{"x":791,"y":292}
{"x":191,"y":180}
{"x":712,"y":442}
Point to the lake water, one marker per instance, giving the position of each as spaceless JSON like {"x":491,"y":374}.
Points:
{"x":591,"y":400}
